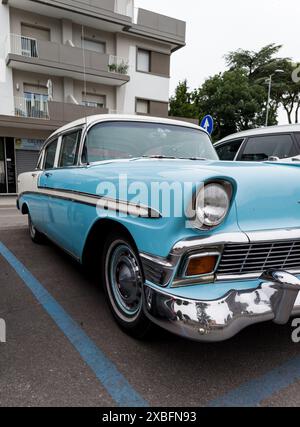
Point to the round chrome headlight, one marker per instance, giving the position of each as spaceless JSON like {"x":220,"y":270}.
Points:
{"x":212,"y":204}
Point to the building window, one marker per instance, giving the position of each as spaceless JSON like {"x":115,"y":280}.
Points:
{"x":143,"y":60}
{"x":142,"y":106}
{"x":94,"y":45}
{"x":34,"y":102}
{"x":94,"y":101}
{"x":34,"y":32}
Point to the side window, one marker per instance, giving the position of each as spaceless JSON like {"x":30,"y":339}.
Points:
{"x":260,"y":148}
{"x":69,"y":149}
{"x":50,"y":152}
{"x":229,"y":150}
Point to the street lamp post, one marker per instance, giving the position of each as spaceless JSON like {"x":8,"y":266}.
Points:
{"x":269,"y":94}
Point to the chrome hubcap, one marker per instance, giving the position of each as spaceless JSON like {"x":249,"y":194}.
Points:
{"x":32,"y":229}
{"x":126,"y":280}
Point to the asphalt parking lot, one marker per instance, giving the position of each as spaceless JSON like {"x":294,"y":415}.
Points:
{"x":63,"y":347}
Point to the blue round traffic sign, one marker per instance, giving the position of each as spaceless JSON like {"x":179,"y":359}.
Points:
{"x":207,"y":123}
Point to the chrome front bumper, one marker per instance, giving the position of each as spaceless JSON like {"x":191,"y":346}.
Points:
{"x":277,"y":298}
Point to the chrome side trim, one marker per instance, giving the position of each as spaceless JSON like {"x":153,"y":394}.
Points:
{"x":106,"y":203}
{"x":216,"y":239}
{"x":277,"y":298}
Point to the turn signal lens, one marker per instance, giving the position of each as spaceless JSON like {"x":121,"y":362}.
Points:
{"x":201,"y":265}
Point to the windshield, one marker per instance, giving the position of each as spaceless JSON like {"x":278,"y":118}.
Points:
{"x":125,"y":140}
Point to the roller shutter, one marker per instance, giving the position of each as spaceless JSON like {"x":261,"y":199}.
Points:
{"x":26,"y":160}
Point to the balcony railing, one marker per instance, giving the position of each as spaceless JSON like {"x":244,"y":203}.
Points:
{"x":36,"y":108}
{"x":118,"y":65}
{"x":32,"y":48}
{"x":25,"y":46}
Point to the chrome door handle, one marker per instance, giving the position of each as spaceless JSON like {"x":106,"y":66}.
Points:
{"x":34,"y":175}
{"x":48,"y":174}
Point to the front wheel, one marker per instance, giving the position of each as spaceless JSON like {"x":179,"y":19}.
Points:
{"x":123,"y":282}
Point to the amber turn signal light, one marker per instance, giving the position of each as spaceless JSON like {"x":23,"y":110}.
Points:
{"x":201,"y":265}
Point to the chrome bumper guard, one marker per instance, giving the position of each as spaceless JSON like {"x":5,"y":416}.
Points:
{"x":277,"y":298}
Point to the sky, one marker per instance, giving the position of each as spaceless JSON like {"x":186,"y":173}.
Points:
{"x":216,"y":27}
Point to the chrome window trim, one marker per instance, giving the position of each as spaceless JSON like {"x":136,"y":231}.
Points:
{"x":56,"y":138}
{"x":62,"y":136}
{"x":230,"y":141}
{"x":87,"y":128}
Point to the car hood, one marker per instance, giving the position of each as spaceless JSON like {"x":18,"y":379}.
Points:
{"x":267,"y":195}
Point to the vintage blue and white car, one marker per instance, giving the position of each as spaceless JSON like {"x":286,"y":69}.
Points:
{"x":200,"y":247}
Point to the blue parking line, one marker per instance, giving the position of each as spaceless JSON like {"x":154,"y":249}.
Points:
{"x":253,"y":392}
{"x":112,"y":380}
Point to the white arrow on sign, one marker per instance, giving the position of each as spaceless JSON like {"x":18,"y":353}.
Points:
{"x":206,"y":125}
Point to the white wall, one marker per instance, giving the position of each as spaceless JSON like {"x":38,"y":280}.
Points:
{"x":141,"y":85}
{"x":6,"y":85}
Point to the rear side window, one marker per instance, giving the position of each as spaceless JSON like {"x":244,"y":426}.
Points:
{"x":69,"y":149}
{"x":260,"y":148}
{"x":229,"y":150}
{"x":50,"y":153}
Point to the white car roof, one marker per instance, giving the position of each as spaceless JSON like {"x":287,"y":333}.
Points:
{"x":262,"y":131}
{"x":117,"y":117}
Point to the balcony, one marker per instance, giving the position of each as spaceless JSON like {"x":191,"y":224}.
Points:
{"x":115,"y":14}
{"x":28,"y":54}
{"x":38,"y":107}
{"x":34,"y":107}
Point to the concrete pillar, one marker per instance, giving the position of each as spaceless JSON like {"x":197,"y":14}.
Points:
{"x":68,"y":90}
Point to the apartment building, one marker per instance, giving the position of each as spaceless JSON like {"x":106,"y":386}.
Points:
{"x":64,"y":59}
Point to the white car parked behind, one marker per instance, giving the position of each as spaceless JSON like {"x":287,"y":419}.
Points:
{"x":256,"y":145}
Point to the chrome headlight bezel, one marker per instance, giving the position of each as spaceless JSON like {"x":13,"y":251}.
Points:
{"x":224,"y":191}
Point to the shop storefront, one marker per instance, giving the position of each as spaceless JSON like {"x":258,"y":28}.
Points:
{"x":17,"y":155}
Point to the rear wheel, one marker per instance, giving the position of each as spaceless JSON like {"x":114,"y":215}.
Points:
{"x":123,"y":282}
{"x":35,"y":235}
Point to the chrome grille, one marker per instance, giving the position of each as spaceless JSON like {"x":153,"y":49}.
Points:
{"x":257,"y":257}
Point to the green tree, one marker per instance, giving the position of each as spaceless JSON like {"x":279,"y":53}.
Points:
{"x":237,"y":98}
{"x":259,"y":66}
{"x":181,"y":104}
{"x":286,"y":91}
{"x":234,"y":102}
{"x":256,"y":65}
